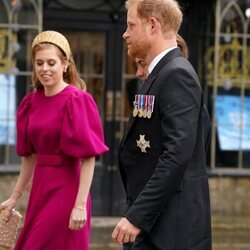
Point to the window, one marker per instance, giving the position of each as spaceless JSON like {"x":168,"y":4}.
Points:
{"x":20,"y":21}
{"x":228,"y":81}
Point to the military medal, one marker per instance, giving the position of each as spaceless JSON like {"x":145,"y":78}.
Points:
{"x":135,"y":111}
{"x":151,"y":106}
{"x":140,"y":111}
{"x":149,"y":113}
{"x":145,"y":106}
{"x":143,"y":144}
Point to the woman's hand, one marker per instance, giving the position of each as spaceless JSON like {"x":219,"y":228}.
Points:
{"x":78,"y":218}
{"x":8,"y":205}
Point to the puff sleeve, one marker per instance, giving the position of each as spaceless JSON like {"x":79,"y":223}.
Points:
{"x":24,"y":146}
{"x":82,"y":133}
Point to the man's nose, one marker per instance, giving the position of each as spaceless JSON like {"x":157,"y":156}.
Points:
{"x":125,"y":35}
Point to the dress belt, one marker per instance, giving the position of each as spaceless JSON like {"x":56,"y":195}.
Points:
{"x":54,"y":159}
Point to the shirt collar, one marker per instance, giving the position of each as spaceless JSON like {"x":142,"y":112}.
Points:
{"x":158,"y":58}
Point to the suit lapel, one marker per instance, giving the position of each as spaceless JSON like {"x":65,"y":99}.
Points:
{"x":147,"y":84}
{"x":150,"y":80}
{"x":168,"y":57}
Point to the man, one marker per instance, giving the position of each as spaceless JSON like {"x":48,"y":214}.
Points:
{"x":162,"y":155}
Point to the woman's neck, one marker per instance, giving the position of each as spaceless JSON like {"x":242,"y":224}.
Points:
{"x":53,"y":90}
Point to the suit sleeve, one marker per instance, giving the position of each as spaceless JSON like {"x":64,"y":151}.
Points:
{"x":179,"y":102}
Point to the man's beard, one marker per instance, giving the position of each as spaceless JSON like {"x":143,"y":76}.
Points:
{"x":139,"y":50}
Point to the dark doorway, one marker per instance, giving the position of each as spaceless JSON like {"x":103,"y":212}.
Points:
{"x":97,"y":45}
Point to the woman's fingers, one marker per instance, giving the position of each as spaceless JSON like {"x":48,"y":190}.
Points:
{"x":78,"y":219}
{"x":6,"y":213}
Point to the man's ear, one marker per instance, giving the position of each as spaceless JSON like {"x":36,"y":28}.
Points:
{"x":155,"y":25}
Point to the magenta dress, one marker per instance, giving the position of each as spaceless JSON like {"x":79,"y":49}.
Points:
{"x":60,"y":130}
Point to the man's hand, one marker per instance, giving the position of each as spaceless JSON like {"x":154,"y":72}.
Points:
{"x":125,"y":232}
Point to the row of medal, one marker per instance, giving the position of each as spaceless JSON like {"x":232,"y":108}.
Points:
{"x":143,"y":106}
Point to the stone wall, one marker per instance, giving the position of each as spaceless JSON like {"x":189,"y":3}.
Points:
{"x":229,"y":195}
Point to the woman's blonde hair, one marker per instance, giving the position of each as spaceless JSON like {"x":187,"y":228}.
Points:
{"x":53,"y":38}
{"x":167,"y":12}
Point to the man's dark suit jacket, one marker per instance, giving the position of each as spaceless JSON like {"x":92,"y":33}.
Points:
{"x":167,"y":187}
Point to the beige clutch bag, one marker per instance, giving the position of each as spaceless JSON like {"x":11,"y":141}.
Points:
{"x":10,"y":229}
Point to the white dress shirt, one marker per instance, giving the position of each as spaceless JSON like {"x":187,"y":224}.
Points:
{"x":158,"y":58}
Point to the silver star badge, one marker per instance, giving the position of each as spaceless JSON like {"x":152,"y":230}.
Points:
{"x":143,"y":144}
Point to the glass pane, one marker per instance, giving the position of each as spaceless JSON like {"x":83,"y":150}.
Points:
{"x":240,"y":5}
{"x":227,"y":143}
{"x":95,"y":88}
{"x":224,"y":3}
{"x":7,"y":114}
{"x":23,"y":85}
{"x":232,"y":22}
{"x":7,"y":109}
{"x":246,"y":129}
{"x":88,"y":50}
{"x":18,"y":45}
{"x":8,"y":155}
{"x":23,"y":49}
{"x":232,"y":114}
{"x":246,"y":158}
{"x":4,"y":47}
{"x":3,"y":12}
{"x":24,"y":12}
{"x":248,"y":61}
{"x":233,"y":117}
{"x":12,"y":90}
{"x":231,"y":59}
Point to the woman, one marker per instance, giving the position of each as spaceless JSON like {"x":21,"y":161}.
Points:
{"x":59,"y":133}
